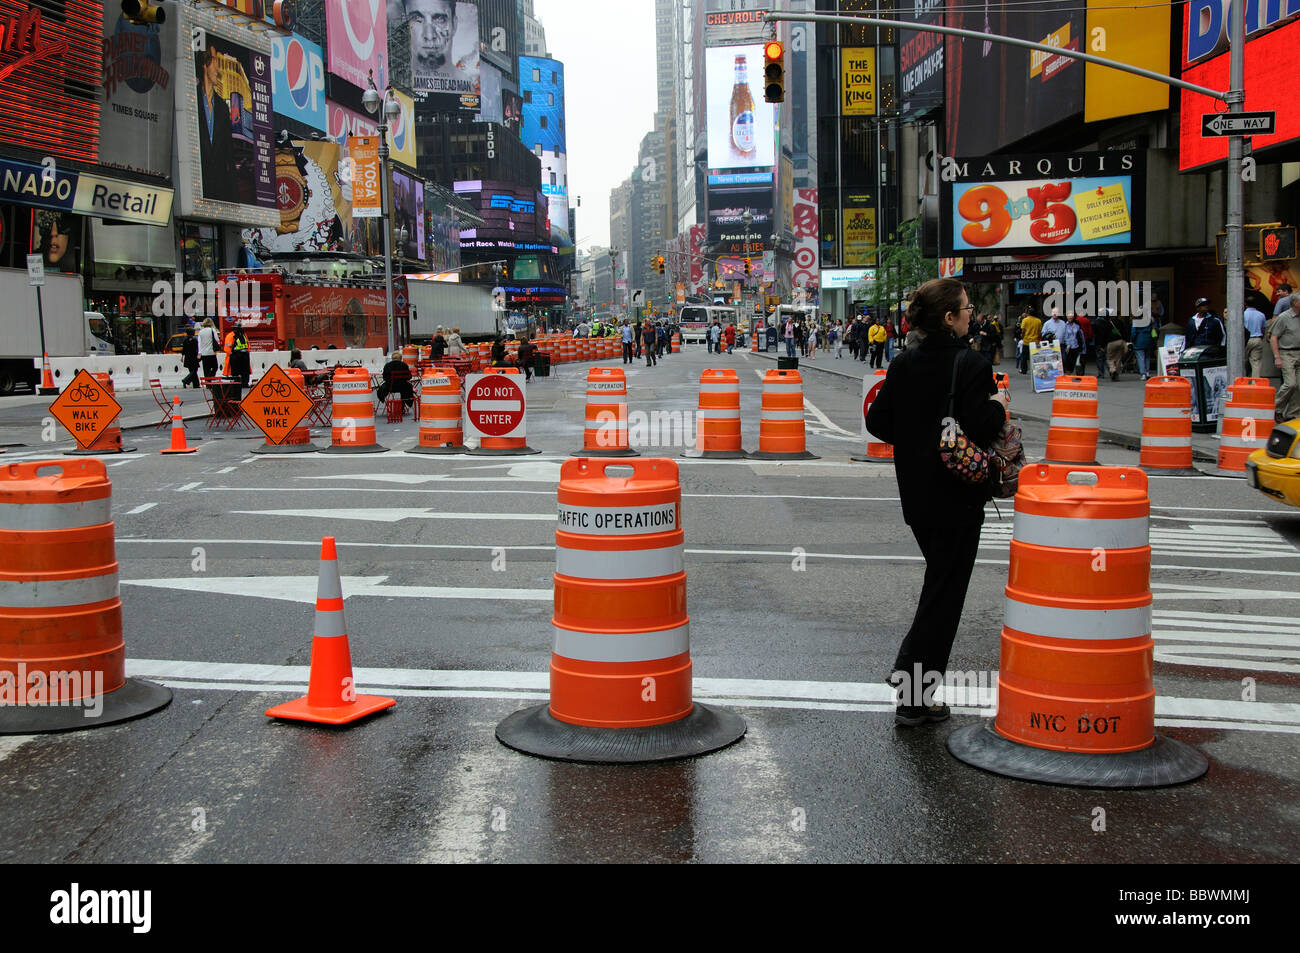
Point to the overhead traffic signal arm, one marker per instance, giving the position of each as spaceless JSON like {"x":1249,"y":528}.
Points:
{"x":773,"y":71}
{"x":143,"y":12}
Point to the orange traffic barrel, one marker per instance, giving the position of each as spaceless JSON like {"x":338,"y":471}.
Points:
{"x":620,"y":661}
{"x":605,"y":432}
{"x":110,"y":438}
{"x":1167,"y":427}
{"x":1072,"y":433}
{"x":1247,"y":419}
{"x":62,"y":654}
{"x":503,"y":446}
{"x":441,"y":430}
{"x":1076,"y":696}
{"x":299,"y":439}
{"x":352,"y":416}
{"x":718,"y":418}
{"x":877,"y":450}
{"x":569,"y":350}
{"x":780,"y":428}
{"x":675,"y":343}
{"x":411,"y":357}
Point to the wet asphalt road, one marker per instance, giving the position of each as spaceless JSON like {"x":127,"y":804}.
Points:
{"x":802,"y":578}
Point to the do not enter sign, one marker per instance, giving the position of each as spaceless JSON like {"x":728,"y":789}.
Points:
{"x":494,"y":405}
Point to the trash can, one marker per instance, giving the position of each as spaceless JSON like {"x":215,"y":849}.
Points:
{"x":1206,"y":367}
{"x":771,"y":338}
{"x":542,"y":365}
{"x":787,"y":363}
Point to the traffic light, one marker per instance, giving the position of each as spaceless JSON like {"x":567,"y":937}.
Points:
{"x":659,"y":264}
{"x":141,"y":11}
{"x":746,"y":266}
{"x":774,"y":72}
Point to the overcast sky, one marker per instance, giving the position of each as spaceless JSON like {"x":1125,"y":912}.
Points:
{"x":608,"y":51}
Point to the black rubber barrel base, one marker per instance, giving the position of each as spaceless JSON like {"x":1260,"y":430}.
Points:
{"x":534,"y":731}
{"x":805,"y":455}
{"x":1172,"y":471}
{"x":862,"y":459}
{"x":134,"y":699}
{"x":1071,"y":463}
{"x":445,"y":448}
{"x":715,"y":454}
{"x":286,"y":448}
{"x":368,"y":448}
{"x":1158,"y":765}
{"x":503,"y":451}
{"x":98,"y":453}
{"x":627,"y":452}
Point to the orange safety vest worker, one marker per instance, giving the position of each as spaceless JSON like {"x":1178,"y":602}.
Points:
{"x":230,"y":341}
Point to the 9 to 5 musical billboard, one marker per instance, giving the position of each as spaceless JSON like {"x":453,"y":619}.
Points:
{"x":1025,"y":205}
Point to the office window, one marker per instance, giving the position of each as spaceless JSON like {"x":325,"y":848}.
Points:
{"x":542,"y":121}
{"x":528,"y":95}
{"x":537,"y":76}
{"x":537,"y":149}
{"x":555,"y":78}
{"x":550,"y":99}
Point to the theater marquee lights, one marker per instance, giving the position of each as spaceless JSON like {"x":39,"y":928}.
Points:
{"x":49,"y":78}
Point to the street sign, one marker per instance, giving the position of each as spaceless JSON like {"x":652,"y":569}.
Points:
{"x":638,"y":297}
{"x":1238,"y":124}
{"x":276,"y":404}
{"x":35,"y":270}
{"x":494,"y":405}
{"x":85,"y":408}
{"x":869,"y":394}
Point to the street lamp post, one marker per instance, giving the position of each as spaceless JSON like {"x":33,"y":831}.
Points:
{"x":613,"y":277}
{"x":391,"y":111}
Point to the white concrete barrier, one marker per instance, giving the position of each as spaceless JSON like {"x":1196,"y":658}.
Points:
{"x":134,"y":371}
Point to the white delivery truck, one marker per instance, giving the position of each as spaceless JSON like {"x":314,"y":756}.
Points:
{"x":67,"y":326}
{"x":451,"y":305}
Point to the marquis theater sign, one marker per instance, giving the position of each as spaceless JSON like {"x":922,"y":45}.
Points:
{"x":49,"y":78}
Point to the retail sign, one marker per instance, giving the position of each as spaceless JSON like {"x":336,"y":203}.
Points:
{"x":1026,"y":205}
{"x":85,"y":194}
{"x":366,"y":193}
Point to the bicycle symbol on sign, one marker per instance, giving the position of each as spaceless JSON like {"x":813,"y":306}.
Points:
{"x":276,"y":389}
{"x":83,"y":390}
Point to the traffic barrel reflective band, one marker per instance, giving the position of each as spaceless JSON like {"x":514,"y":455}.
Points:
{"x":718,"y":418}
{"x":62,"y":651}
{"x":781,"y":426}
{"x":441,"y":428}
{"x":1167,"y":425}
{"x":605,"y":432}
{"x":1072,"y":433}
{"x":619,"y":633}
{"x":1076,"y":671}
{"x":1247,"y":420}
{"x":352,"y":414}
{"x":331,"y":697}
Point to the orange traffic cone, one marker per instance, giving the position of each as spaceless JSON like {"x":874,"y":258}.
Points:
{"x":178,"y":431}
{"x":47,"y":379}
{"x":331,"y":697}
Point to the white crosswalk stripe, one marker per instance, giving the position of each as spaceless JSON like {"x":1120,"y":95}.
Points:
{"x":1211,"y":639}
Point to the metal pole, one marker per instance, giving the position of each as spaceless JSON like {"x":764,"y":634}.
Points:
{"x":40,"y":318}
{"x":385,"y":224}
{"x":1234,"y":299}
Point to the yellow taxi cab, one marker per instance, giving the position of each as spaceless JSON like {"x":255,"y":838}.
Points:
{"x":174,"y":344}
{"x":1275,"y":470}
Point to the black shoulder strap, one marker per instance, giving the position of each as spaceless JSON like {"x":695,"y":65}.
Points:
{"x":952,"y":390}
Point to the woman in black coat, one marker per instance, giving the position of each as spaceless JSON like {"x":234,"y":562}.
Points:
{"x":190,"y":358}
{"x":944,"y":514}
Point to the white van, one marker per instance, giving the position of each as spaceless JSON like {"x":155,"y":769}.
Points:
{"x":696,"y":318}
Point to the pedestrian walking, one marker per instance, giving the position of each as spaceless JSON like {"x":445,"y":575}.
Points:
{"x":876,"y":339}
{"x":730,"y":336}
{"x":1253,"y":319}
{"x":837,"y":338}
{"x":944,"y":513}
{"x":190,"y":358}
{"x":525,"y":359}
{"x":1071,"y":338}
{"x":439,"y":345}
{"x":627,"y":342}
{"x":455,"y":346}
{"x":812,"y":343}
{"x":1284,"y":339}
{"x":1031,"y":326}
{"x":208,"y":348}
{"x":1140,"y":338}
{"x":890,"y":335}
{"x":648,"y":342}
{"x":789,"y":337}
{"x":1116,"y":344}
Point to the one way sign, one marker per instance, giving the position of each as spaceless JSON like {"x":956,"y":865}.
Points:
{"x":1237,"y":124}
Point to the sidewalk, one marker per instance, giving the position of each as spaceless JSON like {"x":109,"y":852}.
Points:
{"x":1119,"y":403}
{"x":22,"y":417}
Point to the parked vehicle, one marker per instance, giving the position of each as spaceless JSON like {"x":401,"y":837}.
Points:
{"x":70,"y":331}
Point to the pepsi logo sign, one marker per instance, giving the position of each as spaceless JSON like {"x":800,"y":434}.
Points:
{"x":298,"y":80}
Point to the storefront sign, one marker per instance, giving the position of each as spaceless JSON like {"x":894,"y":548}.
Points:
{"x":86,"y":194}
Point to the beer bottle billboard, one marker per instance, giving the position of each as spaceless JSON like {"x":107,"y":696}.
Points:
{"x":742,"y":111}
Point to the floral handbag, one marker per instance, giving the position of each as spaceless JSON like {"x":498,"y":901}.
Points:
{"x":964,"y":458}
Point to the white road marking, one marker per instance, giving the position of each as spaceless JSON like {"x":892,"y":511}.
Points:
{"x":225,"y":470}
{"x":303,"y":588}
{"x":808,"y":695}
{"x":397,"y":514}
{"x":1175,"y":590}
{"x":1244,"y":642}
{"x":141,"y":508}
{"x":187,"y":486}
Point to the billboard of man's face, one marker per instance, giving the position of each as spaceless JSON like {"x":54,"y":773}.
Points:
{"x":432,"y":24}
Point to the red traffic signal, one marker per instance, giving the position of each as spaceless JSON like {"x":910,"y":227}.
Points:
{"x":773,"y":72}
